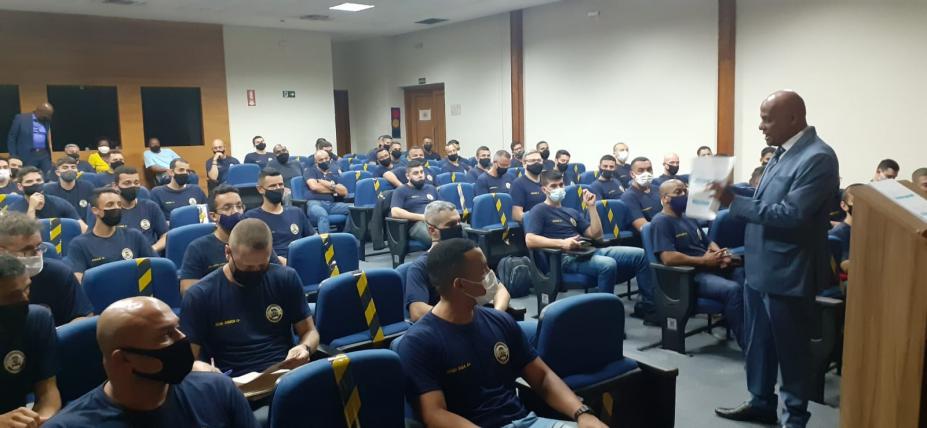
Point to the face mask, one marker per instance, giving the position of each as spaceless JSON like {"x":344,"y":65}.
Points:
{"x":14,"y":172}
{"x":396,"y":153}
{"x":251,"y":278}
{"x":606,"y":174}
{"x":622,"y":156}
{"x":111,"y":217}
{"x":260,"y":146}
{"x":228,"y":222}
{"x":323,"y":166}
{"x":116,"y":164}
{"x":418,"y":184}
{"x":176,"y":361}
{"x":501,"y":170}
{"x":385,"y":163}
{"x":485,"y":162}
{"x":155,"y":149}
{"x":545,"y":154}
{"x":283,"y":158}
{"x":5,"y":174}
{"x":519,"y":154}
{"x":644,"y":179}
{"x":181,"y":179}
{"x":453,"y":157}
{"x":557,"y":195}
{"x":562,"y":166}
{"x":535,"y":168}
{"x":274,"y":196}
{"x":33,"y":264}
{"x":219,"y":151}
{"x":489,"y":284}
{"x":129,"y":193}
{"x":103,"y":150}
{"x":74,"y":156}
{"x":14,"y":315}
{"x":672,"y":169}
{"x":678,"y":204}
{"x":451,"y":232}
{"x":32,"y":189}
{"x":68,"y":176}
{"x":428,"y":147}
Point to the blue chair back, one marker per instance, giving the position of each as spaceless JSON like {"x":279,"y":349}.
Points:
{"x":368,"y":190}
{"x":114,"y":281}
{"x":577,"y":169}
{"x":243,"y":174}
{"x":589,"y":177}
{"x":299,"y":188}
{"x":50,"y":252}
{"x":349,"y":179}
{"x":80,"y":363}
{"x":144,"y":193}
{"x":489,"y":209}
{"x":727,"y":231}
{"x":574,"y":198}
{"x":9,"y":199}
{"x":356,"y":160}
{"x":189,"y":214}
{"x":615,"y":217}
{"x":308,"y":259}
{"x":516,"y":172}
{"x":59,"y":232}
{"x":344,"y":164}
{"x":179,"y":238}
{"x":452,"y":177}
{"x":360,"y":167}
{"x":455,"y":193}
{"x":375,"y":376}
{"x":647,"y":242}
{"x":90,"y":177}
{"x":339,"y":312}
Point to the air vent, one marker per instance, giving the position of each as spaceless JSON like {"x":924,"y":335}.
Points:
{"x":315,"y":17}
{"x":431,"y":21}
{"x":125,"y":2}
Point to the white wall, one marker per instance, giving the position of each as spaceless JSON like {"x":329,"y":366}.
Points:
{"x":860,"y":68}
{"x":471,"y":58}
{"x":642,"y":71}
{"x":271,"y":61}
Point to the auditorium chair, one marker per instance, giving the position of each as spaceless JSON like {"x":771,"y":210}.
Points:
{"x":360,"y":167}
{"x":515,"y":172}
{"x":397,"y":238}
{"x":59,"y":232}
{"x":451,"y":177}
{"x":114,"y":281}
{"x":179,"y":238}
{"x":319,"y":257}
{"x":494,"y":229}
{"x":365,"y":198}
{"x":589,"y":177}
{"x":616,"y":228}
{"x":300,"y":199}
{"x":574,"y":199}
{"x":80,"y":363}
{"x":189,"y":214}
{"x":728,"y":232}
{"x":9,"y":199}
{"x":459,"y":194}
{"x":245,"y":174}
{"x":549,"y":263}
{"x":360,"y":310}
{"x":403,"y":270}
{"x":349,"y":180}
{"x":50,"y":252}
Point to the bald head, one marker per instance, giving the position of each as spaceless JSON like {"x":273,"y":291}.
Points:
{"x":671,"y":187}
{"x":251,"y":233}
{"x":44,"y":111}
{"x":135,"y":322}
{"x":782,"y":115}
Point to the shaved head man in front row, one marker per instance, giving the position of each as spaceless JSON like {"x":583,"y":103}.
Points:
{"x":149,"y":384}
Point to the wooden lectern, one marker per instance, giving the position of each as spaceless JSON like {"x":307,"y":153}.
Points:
{"x":883,"y":383}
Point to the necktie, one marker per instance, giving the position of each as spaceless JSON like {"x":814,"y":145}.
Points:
{"x":779,"y":152}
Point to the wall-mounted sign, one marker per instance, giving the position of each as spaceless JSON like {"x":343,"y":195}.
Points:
{"x":424,"y":115}
{"x":251,"y":100}
{"x":289,"y":94}
{"x":421,"y":80}
{"x":394,"y":116}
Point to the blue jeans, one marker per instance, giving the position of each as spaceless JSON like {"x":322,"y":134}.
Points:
{"x":320,"y":210}
{"x":612,"y":265}
{"x":727,"y":288}
{"x":533,"y":421}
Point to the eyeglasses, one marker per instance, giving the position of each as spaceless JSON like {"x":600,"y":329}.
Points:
{"x":28,"y":252}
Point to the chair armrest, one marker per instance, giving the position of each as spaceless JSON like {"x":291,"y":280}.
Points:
{"x":517,"y":312}
{"x":397,"y":234}
{"x":301,"y":203}
{"x":325,"y":351}
{"x":677,"y":269}
{"x":675,"y":294}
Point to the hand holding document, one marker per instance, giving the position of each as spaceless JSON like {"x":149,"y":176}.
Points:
{"x":702,"y":205}
{"x":256,"y":385}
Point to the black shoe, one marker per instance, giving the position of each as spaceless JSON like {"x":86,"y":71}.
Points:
{"x":652,"y":320}
{"x":748,"y":413}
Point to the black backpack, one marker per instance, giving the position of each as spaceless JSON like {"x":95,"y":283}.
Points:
{"x":517,"y":273}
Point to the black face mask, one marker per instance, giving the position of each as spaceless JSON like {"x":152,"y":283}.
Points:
{"x":606,"y":174}
{"x":417,"y":184}
{"x":250,"y":278}
{"x":451,"y":232}
{"x":396,"y":153}
{"x":176,"y":361}
{"x":32,"y":189}
{"x":501,"y":170}
{"x":485,"y":162}
{"x":14,"y":172}
{"x":562,"y":166}
{"x":274,"y":196}
{"x":323,"y":166}
{"x":428,"y":147}
{"x":111,"y":217}
{"x":260,"y":146}
{"x":672,"y":169}
{"x":519,"y":154}
{"x":535,"y":168}
{"x":545,"y":154}
{"x":75,"y":156}
{"x":68,"y":176}
{"x":182,"y":179}
{"x":13,"y":316}
{"x":129,"y":193}
{"x":156,"y":149}
{"x":283,"y":158}
{"x":386,"y":163}
{"x":453,"y":157}
{"x":116,"y":164}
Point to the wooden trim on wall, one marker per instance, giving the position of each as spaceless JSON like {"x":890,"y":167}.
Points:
{"x":727,"y":20}
{"x":516,"y":37}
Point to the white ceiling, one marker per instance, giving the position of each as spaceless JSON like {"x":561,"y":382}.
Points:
{"x":389,"y":17}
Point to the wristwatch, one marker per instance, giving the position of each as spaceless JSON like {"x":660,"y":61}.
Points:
{"x":581,"y":411}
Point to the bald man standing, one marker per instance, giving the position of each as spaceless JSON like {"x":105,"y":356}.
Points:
{"x":29,"y":137}
{"x":149,"y":384}
{"x":787,"y":260}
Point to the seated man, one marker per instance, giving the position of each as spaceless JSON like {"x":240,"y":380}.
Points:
{"x":443,"y":222}
{"x":766,"y":154}
{"x":281,"y":163}
{"x":670,"y":170}
{"x":383,"y":143}
{"x":323,"y":144}
{"x":518,"y":153}
{"x":97,"y":159}
{"x":462,"y":359}
{"x":68,"y":187}
{"x":217,"y":166}
{"x":606,"y":186}
{"x":642,"y":198}
{"x":245,"y":313}
{"x":105,"y":242}
{"x":286,"y":223}
{"x":409,"y":201}
{"x":453,"y":163}
{"x":428,"y":146}
{"x":384,"y":163}
{"x":54,"y":285}
{"x":323,"y":188}
{"x":73,"y":151}
{"x":495,"y":180}
{"x":562,"y":163}
{"x":177,"y":193}
{"x":260,"y":155}
{"x":397,"y":176}
{"x":7,"y":182}
{"x":115,"y":159}
{"x":842,"y":230}
{"x":887,"y":169}
{"x":526,"y":190}
{"x":483,"y":162}
{"x":919,"y":178}
{"x":544,"y":149}
{"x":395,"y":153}
{"x":466,"y":162}
{"x":159,"y":160}
{"x":703,"y":151}
{"x":28,"y":346}
{"x":623,"y":169}
{"x":142,"y":215}
{"x":38,"y":205}
{"x":679,"y":241}
{"x":149,"y":382}
{"x":551,"y":225}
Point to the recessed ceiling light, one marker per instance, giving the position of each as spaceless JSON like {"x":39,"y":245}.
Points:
{"x":351,"y":7}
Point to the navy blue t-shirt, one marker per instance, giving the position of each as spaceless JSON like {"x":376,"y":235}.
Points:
{"x":28,"y":353}
{"x":842,"y":232}
{"x":608,"y":189}
{"x":642,"y":204}
{"x":56,"y":288}
{"x":204,"y":255}
{"x":287,"y":170}
{"x":679,"y":234}
{"x":223,"y":166}
{"x":201,"y":400}
{"x":475,"y":173}
{"x":447,"y":166}
{"x":681,"y":177}
{"x":168,"y":198}
{"x":623,"y":174}
{"x":245,"y":329}
{"x":418,"y":287}
{"x":526,"y":193}
{"x":549,"y":164}
{"x":317,"y":174}
{"x":285,"y":227}
{"x":413,"y":200}
{"x":488,"y":184}
{"x":88,"y":250}
{"x":145,"y":217}
{"x":9,"y":188}
{"x":261,"y":160}
{"x":378,"y":170}
{"x":555,"y":222}
{"x":78,"y":197}
{"x":475,"y":365}
{"x":55,"y":207}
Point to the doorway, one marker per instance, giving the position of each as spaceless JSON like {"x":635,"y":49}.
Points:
{"x":425,"y":115}
{"x":342,"y":123}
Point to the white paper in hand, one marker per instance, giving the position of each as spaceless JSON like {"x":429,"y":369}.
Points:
{"x":706,"y":170}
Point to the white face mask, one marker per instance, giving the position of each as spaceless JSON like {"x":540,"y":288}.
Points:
{"x":644,"y":179}
{"x":5,"y":174}
{"x":622,"y":155}
{"x":33,"y":264}
{"x":490,"y":284}
{"x":103,"y":150}
{"x":557,"y":195}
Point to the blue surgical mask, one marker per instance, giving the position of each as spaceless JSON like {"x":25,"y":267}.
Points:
{"x":678,"y":204}
{"x":557,"y":195}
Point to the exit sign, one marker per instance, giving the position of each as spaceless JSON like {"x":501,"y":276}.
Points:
{"x":421,"y":80}
{"x":289,"y":94}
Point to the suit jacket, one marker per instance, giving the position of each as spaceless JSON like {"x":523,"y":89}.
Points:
{"x":19,"y":142}
{"x":786,"y":249}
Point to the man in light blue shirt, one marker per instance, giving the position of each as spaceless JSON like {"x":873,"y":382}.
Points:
{"x":158,"y":160}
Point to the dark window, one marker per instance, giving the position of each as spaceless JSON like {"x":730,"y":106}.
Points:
{"x":82,"y":114}
{"x":9,"y":108}
{"x":173,"y":115}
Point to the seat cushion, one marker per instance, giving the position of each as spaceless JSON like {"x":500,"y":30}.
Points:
{"x":337,"y":218}
{"x":417,"y":246}
{"x":578,"y":281}
{"x":610,"y":371}
{"x":388,"y":330}
{"x":708,"y":306}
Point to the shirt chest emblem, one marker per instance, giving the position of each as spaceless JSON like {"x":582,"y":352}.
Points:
{"x":501,"y":351}
{"x":429,"y":197}
{"x":274,"y":313}
{"x":144,"y":224}
{"x":573,"y":221}
{"x":14,"y":361}
{"x":191,"y":201}
{"x":82,"y":203}
{"x":127,"y":254}
{"x":294,"y":229}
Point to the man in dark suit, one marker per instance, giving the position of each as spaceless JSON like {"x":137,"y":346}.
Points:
{"x":28,"y":139}
{"x":787,"y":260}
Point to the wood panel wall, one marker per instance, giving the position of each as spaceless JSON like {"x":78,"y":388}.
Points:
{"x":40,"y":49}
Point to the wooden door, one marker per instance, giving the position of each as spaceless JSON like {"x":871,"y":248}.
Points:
{"x":342,"y":123}
{"x":425,"y":116}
